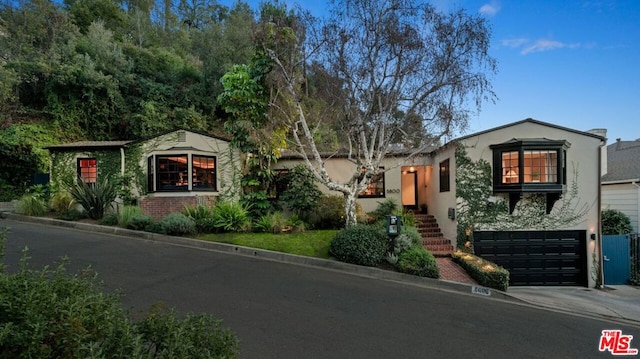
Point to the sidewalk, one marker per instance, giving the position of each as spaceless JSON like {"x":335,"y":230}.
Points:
{"x":621,"y":302}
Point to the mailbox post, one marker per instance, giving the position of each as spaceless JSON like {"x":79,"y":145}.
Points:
{"x":394,"y":227}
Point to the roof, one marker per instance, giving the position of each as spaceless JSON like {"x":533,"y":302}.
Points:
{"x":121,"y":144}
{"x":623,"y":161}
{"x":530,"y":120}
{"x":288,"y":154}
{"x":90,"y":145}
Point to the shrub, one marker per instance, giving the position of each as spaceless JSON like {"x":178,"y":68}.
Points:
{"x":31,"y":205}
{"x":177,"y":224}
{"x":296,"y":224}
{"x":361,"y":244}
{"x":301,"y":194}
{"x":402,"y":243}
{"x":198,"y":212}
{"x":615,"y":222}
{"x":110,"y":219}
{"x":329,"y":213}
{"x":418,"y":261}
{"x":50,"y":314}
{"x":139,"y":222}
{"x":385,"y":208}
{"x":231,"y":217}
{"x":413,"y":234}
{"x":195,"y":336}
{"x":203,"y":217}
{"x":127,"y":213}
{"x":272,"y":222}
{"x":62,"y":202}
{"x":486,"y":273}
{"x":95,"y":198}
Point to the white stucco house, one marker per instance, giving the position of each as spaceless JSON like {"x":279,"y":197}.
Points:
{"x":547,"y":178}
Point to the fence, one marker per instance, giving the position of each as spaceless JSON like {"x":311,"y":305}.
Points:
{"x":635,"y":258}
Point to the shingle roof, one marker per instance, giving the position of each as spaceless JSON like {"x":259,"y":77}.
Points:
{"x":623,"y":161}
{"x":89,"y":144}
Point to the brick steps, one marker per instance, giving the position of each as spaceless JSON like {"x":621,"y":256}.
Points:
{"x":432,"y":238}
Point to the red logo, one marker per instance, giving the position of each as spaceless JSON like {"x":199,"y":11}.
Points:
{"x":616,"y":343}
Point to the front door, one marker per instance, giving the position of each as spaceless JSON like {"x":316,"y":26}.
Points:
{"x":410,"y":189}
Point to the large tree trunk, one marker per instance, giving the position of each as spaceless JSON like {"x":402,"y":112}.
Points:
{"x":350,"y":210}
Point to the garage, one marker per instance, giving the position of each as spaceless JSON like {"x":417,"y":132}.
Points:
{"x":537,"y":258}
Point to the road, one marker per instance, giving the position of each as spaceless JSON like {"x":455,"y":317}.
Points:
{"x":289,"y":311}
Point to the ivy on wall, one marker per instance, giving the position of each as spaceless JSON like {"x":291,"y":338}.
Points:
{"x":476,"y":205}
{"x":479,"y":209}
{"x":132,"y":183}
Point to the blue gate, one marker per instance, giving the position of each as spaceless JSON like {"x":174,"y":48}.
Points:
{"x":616,"y":258}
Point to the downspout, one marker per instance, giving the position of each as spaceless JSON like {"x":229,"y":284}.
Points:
{"x":635,"y":183}
{"x":122,"y":161}
{"x":599,"y":207}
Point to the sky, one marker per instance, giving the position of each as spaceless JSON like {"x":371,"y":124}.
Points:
{"x":571,"y":63}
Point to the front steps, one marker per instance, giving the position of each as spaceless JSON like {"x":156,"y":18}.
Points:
{"x":432,"y":238}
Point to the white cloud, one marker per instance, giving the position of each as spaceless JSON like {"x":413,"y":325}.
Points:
{"x":542,"y":45}
{"x":514,"y":43}
{"x":490,"y":9}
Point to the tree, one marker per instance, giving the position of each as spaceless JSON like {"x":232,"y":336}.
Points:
{"x":397,"y":61}
{"x":615,"y":222}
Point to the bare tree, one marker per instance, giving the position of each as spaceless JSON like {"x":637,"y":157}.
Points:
{"x":400,"y":63}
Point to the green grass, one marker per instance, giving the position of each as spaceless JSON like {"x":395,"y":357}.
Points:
{"x":309,"y":243}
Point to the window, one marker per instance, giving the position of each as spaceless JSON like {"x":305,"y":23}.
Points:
{"x":445,"y":177}
{"x":88,"y":170}
{"x":530,"y":166}
{"x":204,"y":172}
{"x":510,"y":169}
{"x":279,"y":184}
{"x":181,"y":172}
{"x":172,"y":173}
{"x":375,"y":188}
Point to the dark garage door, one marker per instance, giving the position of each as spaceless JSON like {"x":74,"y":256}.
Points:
{"x":537,"y":257}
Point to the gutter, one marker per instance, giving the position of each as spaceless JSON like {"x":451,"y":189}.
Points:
{"x":633,"y":181}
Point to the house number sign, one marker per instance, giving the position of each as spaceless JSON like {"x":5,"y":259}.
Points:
{"x":393,"y":190}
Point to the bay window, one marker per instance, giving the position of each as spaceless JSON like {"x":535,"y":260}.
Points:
{"x":181,"y":172}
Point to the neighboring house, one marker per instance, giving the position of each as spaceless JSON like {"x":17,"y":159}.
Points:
{"x":545,"y":176}
{"x":621,"y":183}
{"x":163,"y":173}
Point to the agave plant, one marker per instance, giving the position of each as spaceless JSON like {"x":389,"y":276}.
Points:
{"x":95,"y":198}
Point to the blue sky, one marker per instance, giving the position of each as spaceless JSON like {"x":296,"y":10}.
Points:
{"x":567,"y":62}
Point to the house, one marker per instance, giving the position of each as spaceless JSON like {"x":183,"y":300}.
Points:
{"x":537,"y":212}
{"x":163,"y":173}
{"x":621,"y":183}
{"x":525,"y":195}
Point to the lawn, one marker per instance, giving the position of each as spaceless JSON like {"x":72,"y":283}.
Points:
{"x":309,"y":243}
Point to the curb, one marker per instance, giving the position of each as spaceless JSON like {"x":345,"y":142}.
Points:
{"x":327,"y":264}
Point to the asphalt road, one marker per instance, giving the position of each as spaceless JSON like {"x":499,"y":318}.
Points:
{"x":289,"y":311}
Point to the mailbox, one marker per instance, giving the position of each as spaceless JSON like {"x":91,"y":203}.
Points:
{"x":394,"y":225}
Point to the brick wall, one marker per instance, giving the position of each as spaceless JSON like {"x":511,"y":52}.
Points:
{"x":158,"y":207}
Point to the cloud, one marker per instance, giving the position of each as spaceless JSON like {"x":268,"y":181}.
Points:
{"x":490,"y":9}
{"x":541,"y":45}
{"x":514,"y":43}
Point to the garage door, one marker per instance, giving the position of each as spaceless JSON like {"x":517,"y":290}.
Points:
{"x":537,"y":257}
